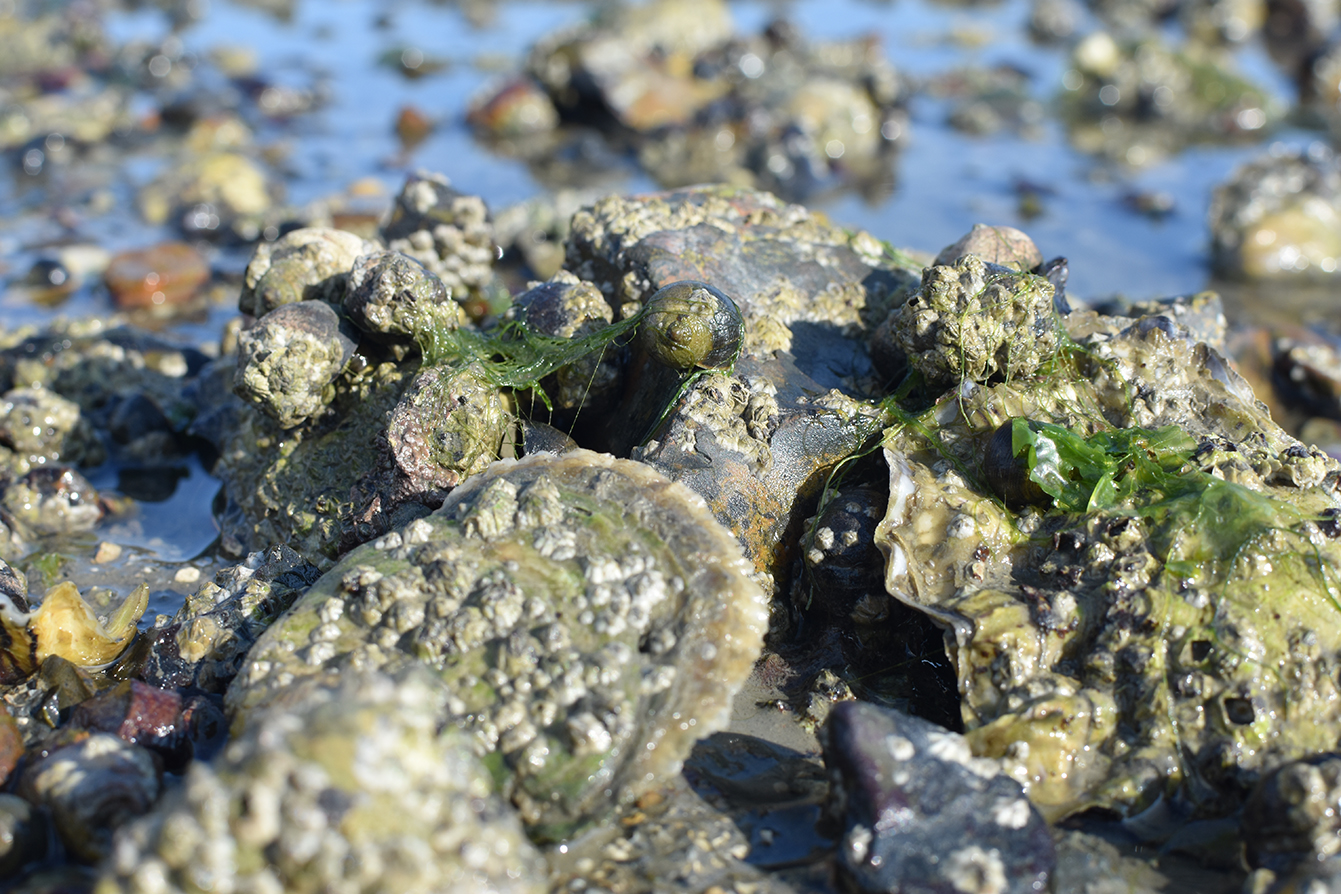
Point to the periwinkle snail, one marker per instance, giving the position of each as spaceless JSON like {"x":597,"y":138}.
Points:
{"x":1008,"y":474}
{"x":691,"y":325}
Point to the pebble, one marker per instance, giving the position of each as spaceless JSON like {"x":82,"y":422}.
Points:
{"x":165,"y":274}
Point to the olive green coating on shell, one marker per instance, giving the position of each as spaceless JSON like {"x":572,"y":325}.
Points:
{"x":590,"y":618}
{"x":308,"y":264}
{"x":974,"y":321}
{"x":350,"y":785}
{"x":1099,"y":671}
{"x":692,"y":325}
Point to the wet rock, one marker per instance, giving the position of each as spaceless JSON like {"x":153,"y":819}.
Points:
{"x":412,"y":127}
{"x":354,"y":783}
{"x":1306,"y":373}
{"x":141,"y":715}
{"x":38,"y":427}
{"x":1083,"y":712}
{"x":919,"y":812}
{"x":771,"y":110}
{"x":801,"y":283}
{"x":757,"y":444}
{"x":1291,"y":816}
{"x":975,"y":321}
{"x":11,"y":745}
{"x":843,"y":565}
{"x":1002,"y":246}
{"x":163,"y":275}
{"x":447,"y":426}
{"x":92,"y":786}
{"x":1087,"y":864}
{"x":451,"y":235}
{"x":308,"y":264}
{"x":204,"y":644}
{"x":214,"y":194}
{"x":516,"y":108}
{"x":23,"y":834}
{"x":1139,"y":101}
{"x":391,"y":295}
{"x":287,"y":362}
{"x":567,"y":307}
{"x":589,"y":617}
{"x":293,"y":486}
{"x":1278,"y":217}
{"x":51,"y":500}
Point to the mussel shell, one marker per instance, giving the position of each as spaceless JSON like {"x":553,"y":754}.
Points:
{"x":1008,"y":474}
{"x":692,"y":325}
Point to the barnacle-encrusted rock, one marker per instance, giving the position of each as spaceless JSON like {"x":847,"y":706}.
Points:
{"x":51,"y":500}
{"x":448,"y":232}
{"x":293,"y":485}
{"x":305,"y":265}
{"x":802,"y":284}
{"x":348,"y":786}
{"x":391,"y":296}
{"x":589,"y":617}
{"x":1167,"y":625}
{"x":567,"y":307}
{"x":288,"y":360}
{"x":1003,"y":246}
{"x":1292,"y":815}
{"x":1279,"y":216}
{"x":975,"y":321}
{"x":920,"y":813}
{"x":206,"y":641}
{"x":23,"y":834}
{"x":92,"y":786}
{"x":448,"y":425}
{"x":38,"y":426}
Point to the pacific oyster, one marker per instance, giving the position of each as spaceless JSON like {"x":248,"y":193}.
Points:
{"x":590,"y":618}
{"x":351,"y":786}
{"x":1165,"y":623}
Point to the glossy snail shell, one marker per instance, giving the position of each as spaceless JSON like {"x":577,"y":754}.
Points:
{"x":1008,"y":474}
{"x":691,"y":325}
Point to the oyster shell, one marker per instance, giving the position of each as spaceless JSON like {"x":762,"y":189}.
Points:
{"x":590,"y":618}
{"x":64,"y":625}
{"x":1167,"y":630}
{"x":350,"y":787}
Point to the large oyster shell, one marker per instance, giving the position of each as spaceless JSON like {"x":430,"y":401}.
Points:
{"x":590,"y":618}
{"x":1172,"y":644}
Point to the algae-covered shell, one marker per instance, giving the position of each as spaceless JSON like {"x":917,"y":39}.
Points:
{"x":348,"y":787}
{"x":288,"y":360}
{"x":692,"y":325}
{"x":307,"y":264}
{"x":591,"y":620}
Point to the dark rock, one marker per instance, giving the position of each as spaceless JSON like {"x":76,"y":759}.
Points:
{"x":919,"y":813}
{"x":23,"y":834}
{"x":141,"y":715}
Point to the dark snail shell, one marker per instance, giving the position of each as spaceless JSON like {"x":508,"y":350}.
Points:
{"x":691,"y":325}
{"x":1008,"y":474}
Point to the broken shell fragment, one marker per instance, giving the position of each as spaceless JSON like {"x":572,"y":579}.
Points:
{"x":65,"y":625}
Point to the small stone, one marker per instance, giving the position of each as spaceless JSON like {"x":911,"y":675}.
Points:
{"x":1005,"y":246}
{"x":106,"y":552}
{"x":412,"y":126}
{"x":165,"y":274}
{"x":187,"y":575}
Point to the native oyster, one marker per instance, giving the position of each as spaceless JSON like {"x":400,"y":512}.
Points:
{"x":589,"y":617}
{"x":350,"y":786}
{"x":1161,"y":619}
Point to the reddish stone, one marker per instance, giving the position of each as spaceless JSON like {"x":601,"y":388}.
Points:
{"x":140,"y":714}
{"x":165,"y":274}
{"x":412,"y":126}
